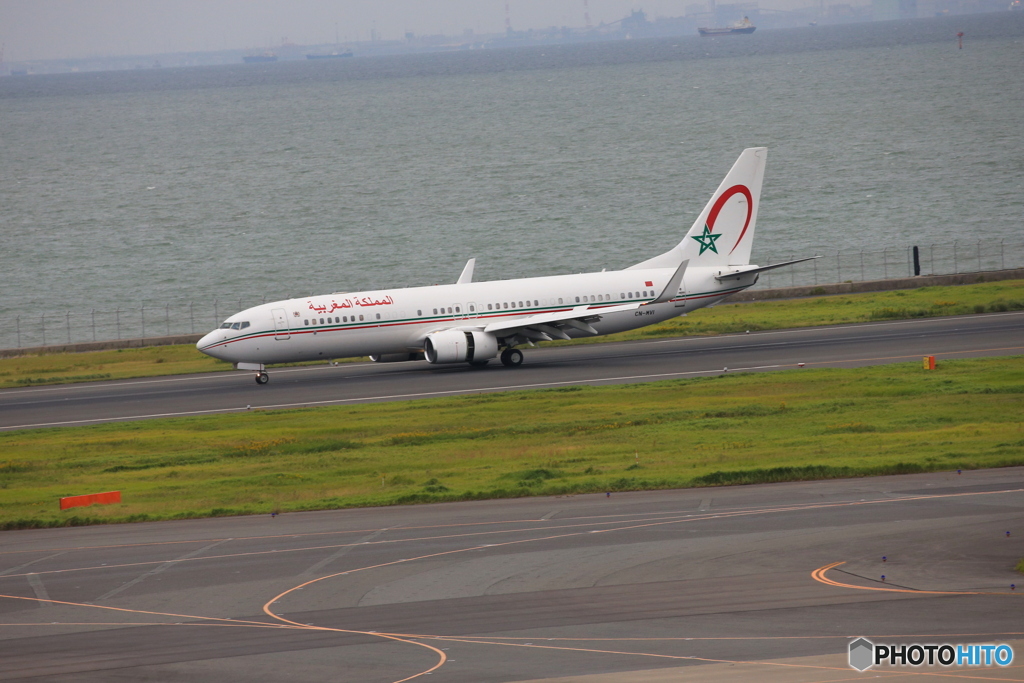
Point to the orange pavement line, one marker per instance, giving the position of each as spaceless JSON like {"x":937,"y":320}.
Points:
{"x":819,"y":575}
{"x":141,"y":611}
{"x":140,"y":623}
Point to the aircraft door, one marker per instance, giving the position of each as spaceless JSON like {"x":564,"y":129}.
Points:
{"x":681,"y":303}
{"x":281,"y":324}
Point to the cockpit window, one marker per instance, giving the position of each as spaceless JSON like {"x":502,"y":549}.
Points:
{"x":236,"y":326}
{"x":245,"y":325}
{"x":225,"y":326}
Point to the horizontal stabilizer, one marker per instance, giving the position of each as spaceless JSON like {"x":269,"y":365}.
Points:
{"x":760,"y":269}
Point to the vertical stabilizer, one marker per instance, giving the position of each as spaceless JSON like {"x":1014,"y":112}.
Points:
{"x":724,"y":232}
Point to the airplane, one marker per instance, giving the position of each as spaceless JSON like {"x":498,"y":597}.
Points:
{"x":476,"y":322}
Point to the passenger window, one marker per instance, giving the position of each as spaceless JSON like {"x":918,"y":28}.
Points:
{"x":472,"y":308}
{"x":435,"y":311}
{"x":520,"y":304}
{"x":577,"y":299}
{"x":449,"y":309}
{"x":321,"y":321}
{"x":458,"y":310}
{"x":559,"y":299}
{"x":307,"y":322}
{"x":536,"y":303}
{"x":360,"y":317}
{"x":490,"y":307}
{"x":378,"y":316}
{"x":419,"y":312}
{"x":506,"y":304}
{"x":622,"y":295}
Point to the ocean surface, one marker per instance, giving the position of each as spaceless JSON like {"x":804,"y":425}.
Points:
{"x":166,"y":187}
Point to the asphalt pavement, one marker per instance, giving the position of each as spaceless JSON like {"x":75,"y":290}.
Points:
{"x":767,"y":582}
{"x":595,"y":364}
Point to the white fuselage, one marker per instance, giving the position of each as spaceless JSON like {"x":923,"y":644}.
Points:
{"x":398,"y":320}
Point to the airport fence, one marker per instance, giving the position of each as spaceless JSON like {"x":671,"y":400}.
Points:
{"x":191,"y":317}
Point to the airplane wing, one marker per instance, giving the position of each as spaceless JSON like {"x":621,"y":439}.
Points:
{"x":548,"y":326}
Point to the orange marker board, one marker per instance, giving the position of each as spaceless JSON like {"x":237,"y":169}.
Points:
{"x":90,"y":499}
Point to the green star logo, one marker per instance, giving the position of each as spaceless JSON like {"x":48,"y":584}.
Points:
{"x":707,"y":241}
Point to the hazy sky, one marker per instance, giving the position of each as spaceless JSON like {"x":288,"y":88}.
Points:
{"x":47,"y":29}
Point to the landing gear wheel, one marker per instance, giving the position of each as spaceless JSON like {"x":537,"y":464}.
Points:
{"x":511,"y":358}
{"x":262,"y":378}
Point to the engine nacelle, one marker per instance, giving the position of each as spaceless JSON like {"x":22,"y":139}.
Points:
{"x":459,"y":346}
{"x":395,"y":357}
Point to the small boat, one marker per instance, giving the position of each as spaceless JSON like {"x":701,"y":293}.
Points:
{"x":739,"y":27}
{"x":259,"y":59}
{"x":333,"y":55}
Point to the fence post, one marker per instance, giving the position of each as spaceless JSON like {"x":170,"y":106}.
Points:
{"x":167,"y":317}
{"x":117,"y":318}
{"x":67,"y":323}
{"x":42,"y":326}
{"x":956,"y":268}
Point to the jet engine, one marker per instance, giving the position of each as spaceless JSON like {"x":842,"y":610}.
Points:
{"x":460,"y":346}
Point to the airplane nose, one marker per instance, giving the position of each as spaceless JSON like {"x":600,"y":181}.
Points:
{"x":207,"y":341}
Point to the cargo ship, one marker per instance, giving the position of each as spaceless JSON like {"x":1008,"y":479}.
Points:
{"x":739,"y":27}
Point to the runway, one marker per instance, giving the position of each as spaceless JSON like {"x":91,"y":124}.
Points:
{"x":607,"y":363}
{"x":764,"y":582}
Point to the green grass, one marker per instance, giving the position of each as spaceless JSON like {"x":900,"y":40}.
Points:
{"x":727,"y":318}
{"x":730,"y":429}
{"x":1020,"y":566}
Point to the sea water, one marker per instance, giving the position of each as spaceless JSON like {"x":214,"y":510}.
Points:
{"x":252,"y":182}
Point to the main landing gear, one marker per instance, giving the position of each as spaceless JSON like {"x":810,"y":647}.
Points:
{"x":511,"y":358}
{"x":262,"y":378}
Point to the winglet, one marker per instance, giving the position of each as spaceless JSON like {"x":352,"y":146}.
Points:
{"x":467,"y":272}
{"x":672,"y":288}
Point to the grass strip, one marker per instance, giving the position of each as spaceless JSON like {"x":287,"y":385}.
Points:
{"x":729,"y":429}
{"x":1007,"y":295}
